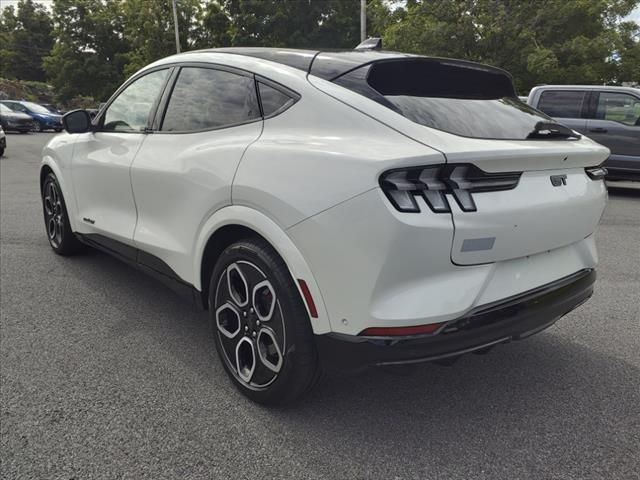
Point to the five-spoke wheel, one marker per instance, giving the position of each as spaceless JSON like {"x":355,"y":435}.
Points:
{"x":260,"y":325}
{"x":56,"y":219}
{"x":249,"y":324}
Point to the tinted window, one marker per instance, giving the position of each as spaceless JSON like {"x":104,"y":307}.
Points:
{"x":464,"y":99}
{"x":34,"y":107}
{"x":619,"y":107}
{"x":204,"y":98}
{"x":273,"y":101}
{"x":561,"y":104}
{"x":130,"y":111}
{"x":16,"y":107}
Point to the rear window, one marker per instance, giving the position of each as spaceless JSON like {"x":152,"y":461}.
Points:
{"x":462,"y":98}
{"x":562,"y":104}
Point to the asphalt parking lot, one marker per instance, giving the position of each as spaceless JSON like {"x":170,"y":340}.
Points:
{"x":106,"y":374}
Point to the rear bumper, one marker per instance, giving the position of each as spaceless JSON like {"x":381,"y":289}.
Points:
{"x":513,"y":318}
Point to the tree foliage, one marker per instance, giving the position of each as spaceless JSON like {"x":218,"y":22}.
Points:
{"x":25,"y":38}
{"x":547,"y":41}
{"x":88,"y":47}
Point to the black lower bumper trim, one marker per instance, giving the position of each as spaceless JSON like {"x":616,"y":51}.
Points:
{"x":513,"y":318}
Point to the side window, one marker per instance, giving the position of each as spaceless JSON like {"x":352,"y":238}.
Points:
{"x":273,"y":101}
{"x":619,"y":107}
{"x":562,"y":104}
{"x":18,"y":107}
{"x":206,"y":98}
{"x":129,"y":112}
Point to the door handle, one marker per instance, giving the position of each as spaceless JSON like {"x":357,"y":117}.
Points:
{"x":598,"y":130}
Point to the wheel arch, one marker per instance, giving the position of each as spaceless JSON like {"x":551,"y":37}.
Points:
{"x":236,"y":222}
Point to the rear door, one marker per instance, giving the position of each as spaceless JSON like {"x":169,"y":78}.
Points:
{"x":184,"y":170}
{"x":616,"y":122}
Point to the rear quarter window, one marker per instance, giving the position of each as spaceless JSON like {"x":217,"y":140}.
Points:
{"x":273,"y":100}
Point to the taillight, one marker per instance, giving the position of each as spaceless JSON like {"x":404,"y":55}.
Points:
{"x":596,"y":173}
{"x":401,"y":186}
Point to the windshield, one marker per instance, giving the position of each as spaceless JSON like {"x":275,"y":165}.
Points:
{"x":34,"y":107}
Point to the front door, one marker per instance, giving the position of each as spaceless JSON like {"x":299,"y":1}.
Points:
{"x":102,"y":160}
{"x":616,"y":124}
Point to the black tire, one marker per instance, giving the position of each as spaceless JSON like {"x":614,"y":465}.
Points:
{"x":1,"y":152}
{"x":58,"y":130}
{"x":37,"y":127}
{"x":24,"y":131}
{"x":284,"y":341}
{"x":56,"y":219}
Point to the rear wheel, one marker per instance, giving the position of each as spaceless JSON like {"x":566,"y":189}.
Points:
{"x":56,"y":219}
{"x":260,"y":325}
{"x":37,"y":127}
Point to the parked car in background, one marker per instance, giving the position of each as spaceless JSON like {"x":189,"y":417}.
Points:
{"x":43,"y":119}
{"x":608,"y":115}
{"x":10,"y":120}
{"x":53,"y":109}
{"x":3,"y":141}
{"x":378,"y":217}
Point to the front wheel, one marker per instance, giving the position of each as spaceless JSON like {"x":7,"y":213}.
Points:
{"x":56,"y":219}
{"x":260,"y":325}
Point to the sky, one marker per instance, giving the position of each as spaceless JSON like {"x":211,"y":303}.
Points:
{"x":635,"y":15}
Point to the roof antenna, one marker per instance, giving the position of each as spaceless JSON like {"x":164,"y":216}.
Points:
{"x":373,"y":43}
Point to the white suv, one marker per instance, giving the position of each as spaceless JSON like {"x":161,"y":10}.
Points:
{"x":334,"y":211}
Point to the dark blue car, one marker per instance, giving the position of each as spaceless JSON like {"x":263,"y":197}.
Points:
{"x":43,"y":119}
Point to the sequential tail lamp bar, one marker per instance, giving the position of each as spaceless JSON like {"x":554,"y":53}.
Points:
{"x":401,"y":331}
{"x":401,"y":186}
{"x":306,"y":293}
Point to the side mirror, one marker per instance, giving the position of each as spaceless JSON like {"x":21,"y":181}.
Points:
{"x":77,"y":121}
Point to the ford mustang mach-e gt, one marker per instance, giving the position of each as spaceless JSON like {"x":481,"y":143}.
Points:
{"x":334,"y":210}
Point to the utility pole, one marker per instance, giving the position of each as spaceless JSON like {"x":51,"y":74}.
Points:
{"x":363,"y":20}
{"x":175,"y":25}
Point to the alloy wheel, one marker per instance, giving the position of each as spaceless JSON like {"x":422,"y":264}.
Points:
{"x":249,"y":324}
{"x":54,"y":213}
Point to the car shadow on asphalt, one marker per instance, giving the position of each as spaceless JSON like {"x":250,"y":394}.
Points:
{"x":509,"y":400}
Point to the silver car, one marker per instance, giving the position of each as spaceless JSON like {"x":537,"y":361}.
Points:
{"x":608,"y":115}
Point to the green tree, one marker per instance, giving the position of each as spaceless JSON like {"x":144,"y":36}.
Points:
{"x":150,"y":32}
{"x":90,"y":52}
{"x":628,"y":53}
{"x":301,"y":24}
{"x":548,"y":41}
{"x":25,"y":37}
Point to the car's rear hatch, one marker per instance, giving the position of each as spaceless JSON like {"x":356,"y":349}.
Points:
{"x":516,"y":180}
